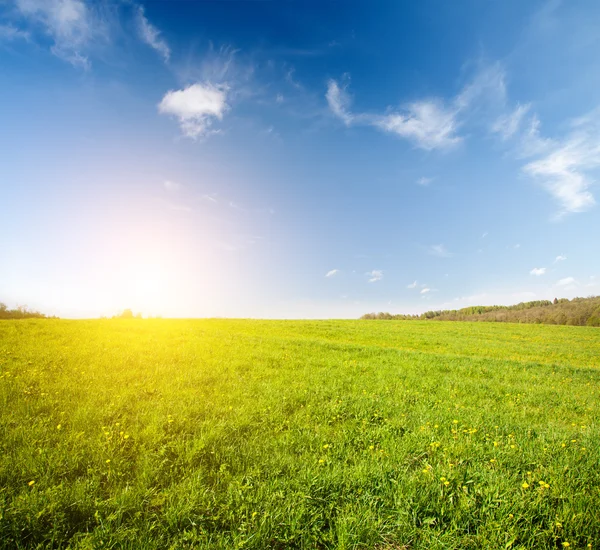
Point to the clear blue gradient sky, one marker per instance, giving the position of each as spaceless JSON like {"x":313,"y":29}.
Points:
{"x":297,"y":159}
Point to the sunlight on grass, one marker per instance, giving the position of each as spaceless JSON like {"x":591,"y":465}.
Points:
{"x":258,"y":434}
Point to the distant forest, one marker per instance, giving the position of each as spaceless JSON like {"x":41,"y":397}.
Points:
{"x":578,"y":312}
{"x":21,"y":312}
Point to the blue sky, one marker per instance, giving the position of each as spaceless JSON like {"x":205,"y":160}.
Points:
{"x":297,"y":159}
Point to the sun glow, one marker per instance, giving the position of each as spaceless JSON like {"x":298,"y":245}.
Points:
{"x":146,"y":289}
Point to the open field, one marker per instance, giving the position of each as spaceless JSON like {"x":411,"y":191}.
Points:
{"x":265,"y":434}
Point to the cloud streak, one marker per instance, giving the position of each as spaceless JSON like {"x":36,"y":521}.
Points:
{"x":151,"y":35}
{"x":429,"y":123}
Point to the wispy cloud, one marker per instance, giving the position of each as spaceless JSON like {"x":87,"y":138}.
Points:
{"x":195,"y":107}
{"x":484,"y":235}
{"x":70,"y":24}
{"x":427,"y":123}
{"x":209,"y":198}
{"x":439,"y":250}
{"x":537,"y":271}
{"x":430,"y":123}
{"x":424,"y":181}
{"x":567,"y":281}
{"x":151,"y":35}
{"x":412,"y":285}
{"x":171,"y":185}
{"x":332,"y":273}
{"x":375,"y":275}
{"x":9,"y":33}
{"x":425,"y":290}
{"x":508,"y":125}
{"x":339,"y":102}
{"x":562,"y":166}
{"x":564,"y":170}
{"x":560,"y":258}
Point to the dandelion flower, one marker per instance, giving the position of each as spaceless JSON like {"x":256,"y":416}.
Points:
{"x":31,"y":483}
{"x":525,"y":485}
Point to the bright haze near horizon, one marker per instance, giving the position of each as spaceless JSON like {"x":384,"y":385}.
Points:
{"x":297,"y":159}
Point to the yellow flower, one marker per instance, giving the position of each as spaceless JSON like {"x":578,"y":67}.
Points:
{"x":108,"y":460}
{"x":446,"y":483}
{"x":525,"y":485}
{"x":59,"y":427}
{"x":371,"y":447}
{"x":566,"y":544}
{"x":31,"y":483}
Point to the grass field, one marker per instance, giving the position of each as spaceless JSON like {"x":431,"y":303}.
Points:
{"x":330,"y":434}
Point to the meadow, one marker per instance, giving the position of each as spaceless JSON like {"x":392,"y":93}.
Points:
{"x":298,"y":434}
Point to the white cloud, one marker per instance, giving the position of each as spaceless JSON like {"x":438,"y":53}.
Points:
{"x":424,"y":181}
{"x":172,"y":185}
{"x":566,"y":281}
{"x":488,"y":86}
{"x":425,"y":290}
{"x":9,"y":33}
{"x":195,"y":107}
{"x":332,"y":273}
{"x":279,"y":98}
{"x":484,"y":235}
{"x":560,"y":258}
{"x":439,"y":250}
{"x":562,"y":166}
{"x":210,"y":198}
{"x":428,"y":123}
{"x":412,"y":285}
{"x":375,"y":275}
{"x":561,"y":173}
{"x":151,"y":35}
{"x":69,"y":23}
{"x":537,"y":271}
{"x":508,"y":125}
{"x":338,"y":101}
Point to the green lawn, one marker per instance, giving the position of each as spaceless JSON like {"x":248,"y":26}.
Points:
{"x":318,"y":434}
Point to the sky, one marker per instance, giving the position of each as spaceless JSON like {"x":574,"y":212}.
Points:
{"x":289,"y":159}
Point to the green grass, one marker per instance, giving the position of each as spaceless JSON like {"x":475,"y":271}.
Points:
{"x":335,"y":434}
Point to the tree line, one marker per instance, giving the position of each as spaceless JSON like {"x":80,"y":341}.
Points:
{"x":21,"y":312}
{"x":578,"y":312}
